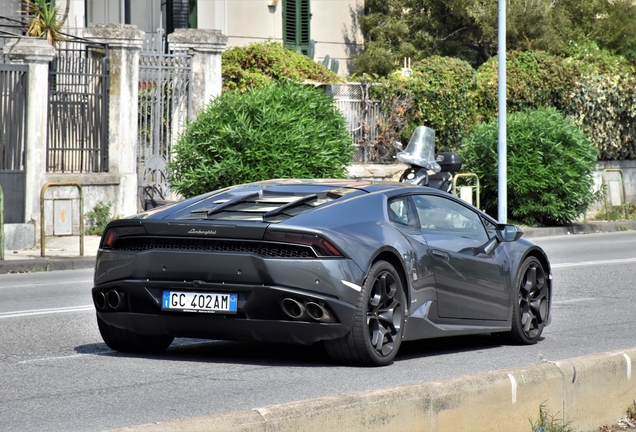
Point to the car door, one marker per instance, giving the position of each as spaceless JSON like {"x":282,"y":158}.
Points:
{"x":470,"y":284}
{"x":403,"y":215}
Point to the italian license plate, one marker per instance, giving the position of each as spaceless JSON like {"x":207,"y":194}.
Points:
{"x":179,"y":301}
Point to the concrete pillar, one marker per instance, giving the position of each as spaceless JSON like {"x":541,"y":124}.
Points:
{"x":124,"y":43}
{"x":206,"y":47}
{"x":37,"y":54}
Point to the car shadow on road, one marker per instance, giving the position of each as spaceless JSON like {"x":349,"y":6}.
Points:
{"x":271,"y":354}
{"x":213,"y":351}
{"x":447,"y":345}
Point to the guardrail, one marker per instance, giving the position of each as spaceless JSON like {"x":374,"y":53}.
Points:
{"x":81,"y":214}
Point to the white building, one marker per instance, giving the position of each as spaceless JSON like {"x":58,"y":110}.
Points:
{"x":332,"y":25}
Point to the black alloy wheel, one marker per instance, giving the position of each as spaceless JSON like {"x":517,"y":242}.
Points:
{"x":531,"y":308}
{"x":379,"y":320}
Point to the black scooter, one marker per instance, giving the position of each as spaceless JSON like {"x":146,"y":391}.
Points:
{"x":426,"y":169}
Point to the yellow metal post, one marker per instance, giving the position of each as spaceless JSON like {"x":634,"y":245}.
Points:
{"x":475,"y":187}
{"x":81,"y":214}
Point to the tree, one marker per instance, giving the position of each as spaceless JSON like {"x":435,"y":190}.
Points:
{"x":614,"y":29}
{"x":395,"y":29}
{"x":468,"y":29}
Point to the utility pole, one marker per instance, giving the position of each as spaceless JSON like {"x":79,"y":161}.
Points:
{"x":502,"y":194}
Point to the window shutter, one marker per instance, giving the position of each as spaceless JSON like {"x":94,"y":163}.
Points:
{"x":289,"y":24}
{"x":303,"y":18}
{"x":296,"y":25}
{"x":180,"y":14}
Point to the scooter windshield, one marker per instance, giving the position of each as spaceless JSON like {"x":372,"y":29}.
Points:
{"x":421,"y":150}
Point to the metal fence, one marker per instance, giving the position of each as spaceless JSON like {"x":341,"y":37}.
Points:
{"x":13,"y":134}
{"x":11,"y":26}
{"x":78,"y":108}
{"x":363,"y":115}
{"x":164,"y":107}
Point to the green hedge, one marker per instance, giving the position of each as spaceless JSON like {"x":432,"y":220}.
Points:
{"x":534,"y":80}
{"x":594,"y":88}
{"x":259,"y":64}
{"x":604,"y":106}
{"x":441,"y":94}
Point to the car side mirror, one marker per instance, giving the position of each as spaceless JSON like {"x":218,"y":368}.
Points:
{"x":508,"y":232}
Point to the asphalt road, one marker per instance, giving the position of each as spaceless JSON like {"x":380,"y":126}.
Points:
{"x":58,"y":375}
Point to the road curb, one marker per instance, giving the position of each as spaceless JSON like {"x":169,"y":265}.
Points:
{"x":585,"y":391}
{"x":584,"y":228}
{"x":46,"y":264}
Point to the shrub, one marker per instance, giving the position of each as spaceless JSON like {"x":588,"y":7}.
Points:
{"x":98,"y":218}
{"x":441,"y":92}
{"x":550,"y":163}
{"x":282,"y":130}
{"x":263,"y":63}
{"x":589,"y":58}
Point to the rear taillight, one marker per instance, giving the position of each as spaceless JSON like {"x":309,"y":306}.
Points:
{"x":110,"y":237}
{"x":320,"y":245}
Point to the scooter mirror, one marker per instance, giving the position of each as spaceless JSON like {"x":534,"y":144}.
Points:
{"x":398,"y":145}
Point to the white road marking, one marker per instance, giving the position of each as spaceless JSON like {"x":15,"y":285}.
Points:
{"x":52,"y":358}
{"x":558,"y":302}
{"x":18,"y":314}
{"x":588,"y":263}
{"x":48,"y":284}
{"x":629,"y":366}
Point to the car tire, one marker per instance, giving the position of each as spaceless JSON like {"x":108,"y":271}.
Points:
{"x":531,"y":305}
{"x":129,"y":342}
{"x":378,"y":320}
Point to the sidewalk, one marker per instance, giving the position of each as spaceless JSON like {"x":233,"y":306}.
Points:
{"x":584,"y":228}
{"x":62,"y":253}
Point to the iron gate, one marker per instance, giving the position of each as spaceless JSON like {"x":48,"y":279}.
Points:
{"x":78,"y":108}
{"x":164,"y":106}
{"x":362,"y":114}
{"x":13,"y":132}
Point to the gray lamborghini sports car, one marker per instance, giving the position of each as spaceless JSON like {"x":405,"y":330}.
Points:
{"x":359,"y":265}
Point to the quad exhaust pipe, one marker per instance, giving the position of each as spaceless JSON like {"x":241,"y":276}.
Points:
{"x":100,"y":300}
{"x":294,"y":309}
{"x":318,"y":312}
{"x":306,"y":311}
{"x":114,"y":299}
{"x":109,"y":300}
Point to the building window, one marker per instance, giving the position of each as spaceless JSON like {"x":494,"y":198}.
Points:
{"x":296,"y":24}
{"x":180,"y":14}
